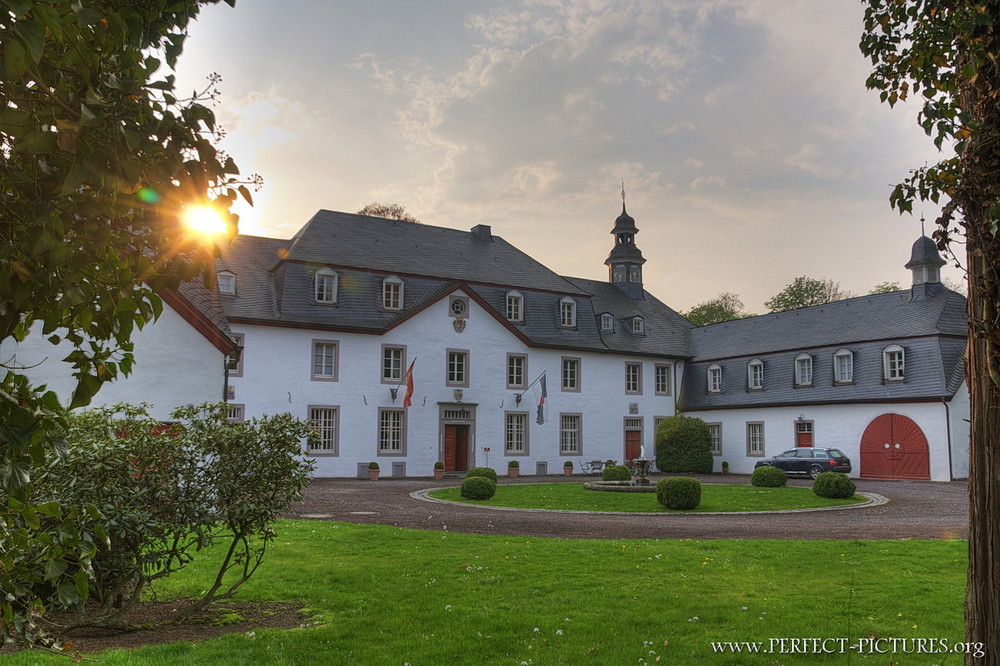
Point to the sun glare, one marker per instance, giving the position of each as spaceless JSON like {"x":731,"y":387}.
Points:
{"x":204,"y":220}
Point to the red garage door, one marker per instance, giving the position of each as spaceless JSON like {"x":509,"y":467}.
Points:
{"x":894,"y":447}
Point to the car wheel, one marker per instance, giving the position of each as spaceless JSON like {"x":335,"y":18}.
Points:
{"x":815,"y":471}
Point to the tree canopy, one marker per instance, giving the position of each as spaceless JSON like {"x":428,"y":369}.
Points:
{"x":804,"y":292}
{"x":885,"y":288}
{"x":724,"y":307}
{"x":390,"y":211}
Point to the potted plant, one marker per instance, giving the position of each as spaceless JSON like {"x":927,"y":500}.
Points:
{"x":568,"y":468}
{"x":439,"y":470}
{"x":373,"y":471}
{"x":513,"y":468}
{"x":725,"y":467}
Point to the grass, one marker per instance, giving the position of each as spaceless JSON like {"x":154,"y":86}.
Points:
{"x":574,"y":497}
{"x":386,"y":595}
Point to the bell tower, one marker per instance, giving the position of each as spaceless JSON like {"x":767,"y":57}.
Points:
{"x":925,"y":263}
{"x":625,"y":260}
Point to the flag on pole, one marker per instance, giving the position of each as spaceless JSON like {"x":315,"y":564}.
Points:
{"x":409,"y":385}
{"x":542,"y":395}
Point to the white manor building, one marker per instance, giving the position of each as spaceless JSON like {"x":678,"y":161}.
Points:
{"x":509,"y":361}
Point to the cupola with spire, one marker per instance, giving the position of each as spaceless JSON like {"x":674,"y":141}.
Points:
{"x":625,"y":260}
{"x":925,"y":263}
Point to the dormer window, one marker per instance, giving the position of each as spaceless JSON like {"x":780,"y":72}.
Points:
{"x":325,"y":286}
{"x":515,"y":306}
{"x":638,"y":325}
{"x":607,"y":322}
{"x":803,"y":370}
{"x":567,"y":312}
{"x":755,"y":374}
{"x":892,"y":363}
{"x":392,"y":293}
{"x":843,"y":366}
{"x":714,"y":379}
{"x":227,"y":282}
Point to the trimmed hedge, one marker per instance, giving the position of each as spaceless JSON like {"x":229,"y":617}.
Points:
{"x":834,"y":485}
{"x":485,"y":472}
{"x":684,"y":444}
{"x":679,"y":492}
{"x":478,"y":488}
{"x":617,"y":473}
{"x":769,"y":477}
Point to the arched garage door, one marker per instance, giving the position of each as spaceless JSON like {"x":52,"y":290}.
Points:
{"x":894,"y":447}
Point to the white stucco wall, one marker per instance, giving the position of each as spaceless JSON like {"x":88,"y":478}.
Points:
{"x":958,"y":413}
{"x":174,"y":365}
{"x":276,"y":377}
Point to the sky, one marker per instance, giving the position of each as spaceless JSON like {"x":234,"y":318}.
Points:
{"x":750,"y":150}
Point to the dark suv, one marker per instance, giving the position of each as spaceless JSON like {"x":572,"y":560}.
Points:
{"x":809,"y":461}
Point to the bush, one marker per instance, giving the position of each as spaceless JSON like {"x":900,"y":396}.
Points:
{"x":478,"y":488}
{"x":679,"y":492}
{"x":485,"y":472}
{"x":617,"y":473}
{"x":768,"y":476}
{"x":373,"y":465}
{"x":513,"y":463}
{"x":834,"y":485}
{"x":569,"y":464}
{"x":684,"y":444}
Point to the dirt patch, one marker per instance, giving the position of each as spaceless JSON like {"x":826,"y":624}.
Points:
{"x":226,"y":618}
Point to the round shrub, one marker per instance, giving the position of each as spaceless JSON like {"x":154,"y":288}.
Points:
{"x":835,"y":485}
{"x":679,"y":492}
{"x":617,"y":473}
{"x":684,"y":444}
{"x":768,"y":477}
{"x":478,"y":488}
{"x":485,"y":472}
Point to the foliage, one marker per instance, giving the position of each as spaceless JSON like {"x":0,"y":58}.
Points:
{"x":486,"y":472}
{"x":373,"y":465}
{"x":478,"y":488}
{"x":804,"y":292}
{"x":768,"y":476}
{"x":616,"y":473}
{"x":439,"y":465}
{"x":724,"y":307}
{"x":684,"y":444}
{"x":885,"y":288}
{"x":513,"y":464}
{"x":568,"y":464}
{"x":679,"y":492}
{"x":391,"y":211}
{"x":834,"y":485}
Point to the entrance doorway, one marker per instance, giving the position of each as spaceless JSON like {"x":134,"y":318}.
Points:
{"x":894,"y":447}
{"x":456,"y":447}
{"x":803,"y":433}
{"x":633,"y":444}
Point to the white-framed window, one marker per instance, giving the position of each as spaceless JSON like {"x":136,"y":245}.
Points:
{"x":515,"y":306}
{"x":457,"y":372}
{"x":607,"y":323}
{"x":324,"y":360}
{"x":893,"y":358}
{"x":235,"y":413}
{"x":715,"y":378}
{"x":516,"y":433}
{"x":234,"y":359}
{"x":324,"y":420}
{"x":393,"y":363}
{"x":392,"y":293}
{"x":715,"y":432}
{"x":226,"y":281}
{"x":755,"y":438}
{"x":517,"y":371}
{"x":633,"y":377}
{"x":391,"y":432}
{"x":638,"y":325}
{"x":325,"y":286}
{"x":755,"y":374}
{"x":570,"y":434}
{"x":843,"y":366}
{"x":570,"y":374}
{"x":662,"y":378}
{"x":567,"y":312}
{"x":803,"y":370}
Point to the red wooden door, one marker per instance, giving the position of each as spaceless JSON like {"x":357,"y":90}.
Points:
{"x":894,"y":447}
{"x":633,"y":444}
{"x":456,"y":448}
{"x":804,"y":433}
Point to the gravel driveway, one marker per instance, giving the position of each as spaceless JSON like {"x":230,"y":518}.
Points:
{"x":915,"y":510}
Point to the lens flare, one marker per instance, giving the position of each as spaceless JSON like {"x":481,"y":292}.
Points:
{"x":204,"y":220}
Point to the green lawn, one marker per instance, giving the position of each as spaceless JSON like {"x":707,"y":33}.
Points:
{"x":573,"y":496}
{"x":394,"y":596}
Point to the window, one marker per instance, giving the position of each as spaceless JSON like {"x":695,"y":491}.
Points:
{"x":516,"y":433}
{"x":325,"y":286}
{"x":714,"y":379}
{"x":458,"y":368}
{"x":567,"y":312}
{"x":638,"y":325}
{"x":755,"y":374}
{"x":227,"y":282}
{"x":569,"y":434}
{"x":515,"y":306}
{"x":715,"y":432}
{"x":571,"y":374}
{"x":803,"y":370}
{"x":633,"y":377}
{"x":755,"y":439}
{"x":607,"y":322}
{"x":392,"y":293}
{"x":391,"y":431}
{"x":235,"y":413}
{"x":393,"y":362}
{"x":324,"y":423}
{"x":517,"y":371}
{"x":662,"y":379}
{"x":324,"y":365}
{"x":892,"y":363}
{"x":234,"y":359}
{"x":843,"y":367}
{"x":458,"y":306}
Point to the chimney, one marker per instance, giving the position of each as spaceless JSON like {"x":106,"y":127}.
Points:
{"x":482,"y":232}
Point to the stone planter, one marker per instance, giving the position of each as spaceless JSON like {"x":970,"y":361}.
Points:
{"x":438,"y":473}
{"x":513,"y":472}
{"x":373,"y":474}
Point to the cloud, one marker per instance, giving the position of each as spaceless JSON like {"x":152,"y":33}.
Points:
{"x":810,"y":158}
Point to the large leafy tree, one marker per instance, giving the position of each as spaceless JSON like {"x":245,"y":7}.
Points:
{"x":724,"y":307}
{"x":100,"y":156}
{"x":390,"y":211}
{"x":945,"y":55}
{"x":804,"y":292}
